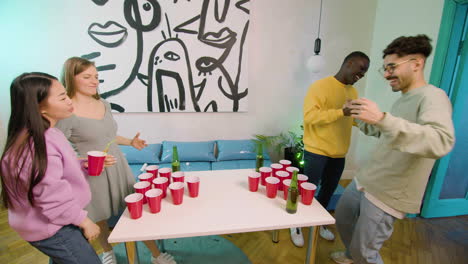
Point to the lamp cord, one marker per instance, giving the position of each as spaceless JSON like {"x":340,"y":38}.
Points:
{"x":320,"y":19}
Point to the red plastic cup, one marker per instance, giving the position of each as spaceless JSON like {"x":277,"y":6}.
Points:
{"x":142,"y":187}
{"x":177,"y":192}
{"x":134,"y":203}
{"x":274,"y":168}
{"x":161,"y":183}
{"x":154,"y":197}
{"x":264,"y":173}
{"x":193,"y":183}
{"x":285,"y":163}
{"x":272,"y":186}
{"x":286,"y":184}
{"x":254,"y":180}
{"x":308,"y":192}
{"x":281,"y":175}
{"x":153,"y":169}
{"x":178,"y":176}
{"x":149,"y":177}
{"x":165,"y":172}
{"x":96,"y":162}
{"x":291,"y":170}
{"x":300,"y":179}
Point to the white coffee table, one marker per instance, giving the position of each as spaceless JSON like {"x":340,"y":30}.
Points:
{"x":224,"y":206}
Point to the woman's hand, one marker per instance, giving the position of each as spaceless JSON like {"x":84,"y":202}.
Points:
{"x":109,"y":161}
{"x":137,"y":142}
{"x":90,"y":230}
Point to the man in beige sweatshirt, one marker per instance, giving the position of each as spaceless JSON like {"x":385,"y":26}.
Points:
{"x":417,"y":131}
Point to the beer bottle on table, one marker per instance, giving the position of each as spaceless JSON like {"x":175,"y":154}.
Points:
{"x":293,"y":195}
{"x":259,"y":158}
{"x":175,"y":160}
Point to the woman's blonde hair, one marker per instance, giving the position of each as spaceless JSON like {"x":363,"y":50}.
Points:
{"x":72,"y":67}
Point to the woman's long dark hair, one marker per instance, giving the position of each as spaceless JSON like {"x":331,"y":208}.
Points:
{"x":25,"y":149}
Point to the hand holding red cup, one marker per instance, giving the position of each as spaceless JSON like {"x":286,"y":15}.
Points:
{"x":96,"y":162}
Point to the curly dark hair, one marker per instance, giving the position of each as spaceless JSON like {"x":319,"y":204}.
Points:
{"x":403,"y":46}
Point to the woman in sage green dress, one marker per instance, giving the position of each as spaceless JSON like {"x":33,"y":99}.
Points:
{"x":92,"y":127}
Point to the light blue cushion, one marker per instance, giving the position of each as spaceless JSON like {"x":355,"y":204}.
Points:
{"x":236,"y":164}
{"x":244,"y":149}
{"x":188,"y":151}
{"x":150,"y":154}
{"x":190,"y":166}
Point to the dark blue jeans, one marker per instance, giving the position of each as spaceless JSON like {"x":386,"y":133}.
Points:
{"x":68,"y":246}
{"x":325,"y":171}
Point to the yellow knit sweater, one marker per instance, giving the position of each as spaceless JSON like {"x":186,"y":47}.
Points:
{"x":327,"y":131}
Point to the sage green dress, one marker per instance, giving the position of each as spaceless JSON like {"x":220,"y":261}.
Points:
{"x":115,"y":182}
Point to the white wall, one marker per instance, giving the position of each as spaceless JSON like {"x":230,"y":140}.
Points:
{"x":282,"y":34}
{"x":281,"y":39}
{"x":393,"y":19}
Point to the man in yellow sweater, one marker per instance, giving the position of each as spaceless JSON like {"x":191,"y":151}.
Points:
{"x":417,"y":131}
{"x":327,"y":130}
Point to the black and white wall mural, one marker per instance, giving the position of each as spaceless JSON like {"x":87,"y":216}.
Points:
{"x":168,"y":55}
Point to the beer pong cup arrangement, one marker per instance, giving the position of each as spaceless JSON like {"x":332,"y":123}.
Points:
{"x":154,"y":197}
{"x":153,"y":169}
{"x":254,"y":180}
{"x":264,"y":173}
{"x":177,"y":192}
{"x":134,"y":203}
{"x":161,"y":183}
{"x":274,"y":168}
{"x":281,"y":175}
{"x":149,"y":177}
{"x":286,"y":184}
{"x":193,"y":183}
{"x":272,"y":186}
{"x":290,"y":171}
{"x":178,"y":176}
{"x":308,"y":192}
{"x":285,"y":163}
{"x":300,"y":179}
{"x":96,"y":162}
{"x":165,"y":172}
{"x":142,"y":187}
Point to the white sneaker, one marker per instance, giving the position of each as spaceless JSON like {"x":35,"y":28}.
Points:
{"x":296,"y":237}
{"x":326,"y":234}
{"x":340,"y":257}
{"x":109,"y":257}
{"x":163,"y":258}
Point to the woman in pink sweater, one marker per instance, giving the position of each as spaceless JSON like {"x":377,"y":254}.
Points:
{"x":43,"y":184}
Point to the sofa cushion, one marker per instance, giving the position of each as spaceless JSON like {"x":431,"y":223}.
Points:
{"x":150,"y":154}
{"x":188,"y":151}
{"x":190,"y":165}
{"x":236,"y":164}
{"x":244,"y":149}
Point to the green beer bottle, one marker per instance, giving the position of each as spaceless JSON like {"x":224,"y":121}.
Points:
{"x":259,"y":158}
{"x":293,"y":195}
{"x":175,"y":160}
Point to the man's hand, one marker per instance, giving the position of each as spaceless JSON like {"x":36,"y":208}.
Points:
{"x":346,"y":108}
{"x":366,"y":111}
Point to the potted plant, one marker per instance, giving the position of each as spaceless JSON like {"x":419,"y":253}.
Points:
{"x":290,"y":142}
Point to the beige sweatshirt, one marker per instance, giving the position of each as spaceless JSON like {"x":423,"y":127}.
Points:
{"x":416,"y":132}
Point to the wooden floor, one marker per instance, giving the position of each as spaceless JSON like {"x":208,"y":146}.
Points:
{"x":414,"y":241}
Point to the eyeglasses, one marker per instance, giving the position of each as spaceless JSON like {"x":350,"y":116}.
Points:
{"x":390,"y":68}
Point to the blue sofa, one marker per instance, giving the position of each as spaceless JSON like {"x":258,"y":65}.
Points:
{"x":203,"y":155}
{"x":196,"y":156}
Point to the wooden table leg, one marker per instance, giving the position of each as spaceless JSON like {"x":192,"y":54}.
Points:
{"x":312,"y":245}
{"x":132,"y":255}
